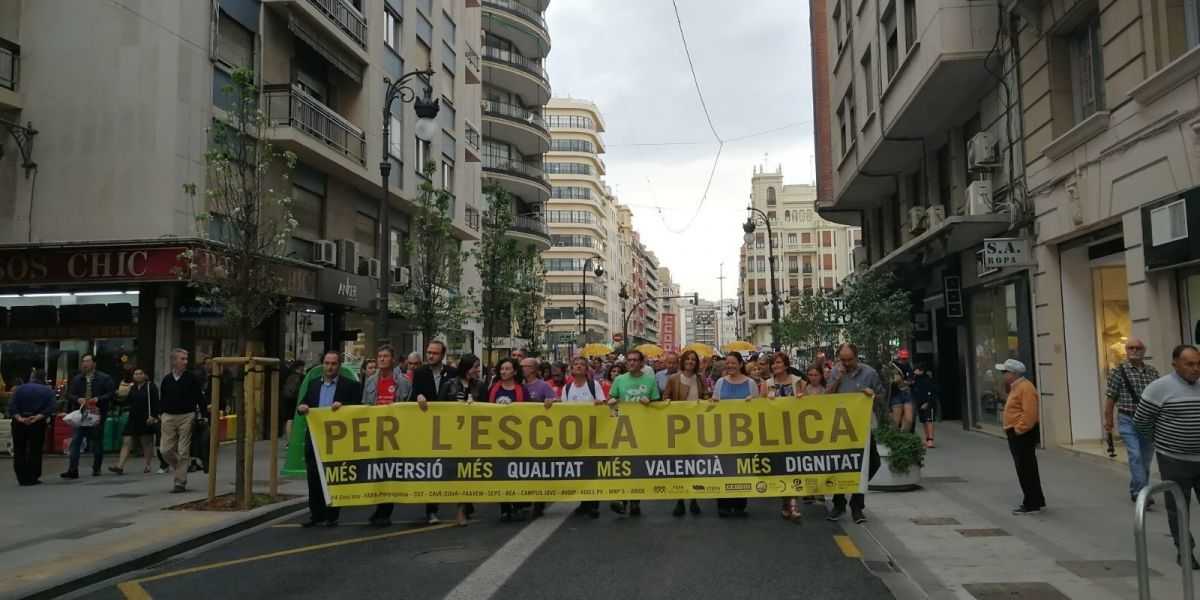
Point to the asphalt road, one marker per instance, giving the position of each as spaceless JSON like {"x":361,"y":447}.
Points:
{"x":558,"y":557}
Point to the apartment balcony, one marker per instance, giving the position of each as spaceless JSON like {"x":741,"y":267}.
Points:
{"x":472,"y":148}
{"x":942,"y":73}
{"x":10,"y":74}
{"x":516,"y":125}
{"x":523,"y":179}
{"x":337,"y":20}
{"x":315,"y":132}
{"x":473,"y":74}
{"x":511,"y":14}
{"x":531,"y":232}
{"x":525,"y":77}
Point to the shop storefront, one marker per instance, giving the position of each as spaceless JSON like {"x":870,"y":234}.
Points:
{"x":999,"y":328}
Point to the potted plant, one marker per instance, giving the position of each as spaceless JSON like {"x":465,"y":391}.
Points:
{"x":902,"y":454}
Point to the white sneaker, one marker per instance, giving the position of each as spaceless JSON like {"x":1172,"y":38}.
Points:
{"x":434,"y":520}
{"x":162,"y":471}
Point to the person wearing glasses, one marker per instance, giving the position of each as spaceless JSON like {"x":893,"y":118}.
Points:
{"x":1126,"y":383}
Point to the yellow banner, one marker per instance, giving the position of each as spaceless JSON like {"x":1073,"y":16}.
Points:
{"x":458,"y":452}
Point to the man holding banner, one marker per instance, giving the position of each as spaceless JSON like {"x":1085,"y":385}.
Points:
{"x":330,"y":392}
{"x":852,"y":376}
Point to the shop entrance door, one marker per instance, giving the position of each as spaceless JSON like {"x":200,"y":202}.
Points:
{"x":949,"y":373}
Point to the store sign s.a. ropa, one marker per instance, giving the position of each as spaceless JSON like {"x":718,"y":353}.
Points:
{"x":1000,"y":253}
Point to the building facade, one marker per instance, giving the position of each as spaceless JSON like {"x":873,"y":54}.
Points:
{"x":700,"y":322}
{"x":1065,"y":128}
{"x":130,"y":148}
{"x":810,"y":253}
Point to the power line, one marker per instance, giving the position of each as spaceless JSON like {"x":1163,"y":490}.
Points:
{"x":728,"y":141}
{"x":692,"y":67}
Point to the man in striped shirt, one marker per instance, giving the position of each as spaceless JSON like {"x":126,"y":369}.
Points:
{"x":1170,"y":412}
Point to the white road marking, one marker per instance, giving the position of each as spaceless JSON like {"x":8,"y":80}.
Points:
{"x":488,"y":577}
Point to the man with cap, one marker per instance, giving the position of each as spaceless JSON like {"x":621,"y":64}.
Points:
{"x":1021,"y":427}
{"x":900,"y":400}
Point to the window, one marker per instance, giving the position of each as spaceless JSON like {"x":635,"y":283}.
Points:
{"x":793,"y":264}
{"x":749,"y":264}
{"x":845,"y":116}
{"x":571,"y":192}
{"x":573,"y":121}
{"x":365,"y":232}
{"x":888,"y":22}
{"x":827,"y":262}
{"x":396,"y":242}
{"x":561,"y":168}
{"x":762,"y":310}
{"x":826,"y":239}
{"x":449,"y":29}
{"x":448,"y":176}
{"x":841,"y":123}
{"x":762,"y":287}
{"x":447,"y":87}
{"x":856,"y":238}
{"x":1178,"y":28}
{"x":392,"y":29}
{"x":1087,"y":70}
{"x":1168,"y":223}
{"x":572,"y":146}
{"x":806,"y":237}
{"x":306,"y":209}
{"x":910,"y":24}
{"x":770,"y":196}
{"x":770,"y":215}
{"x":424,"y":151}
{"x":808,"y":263}
{"x":837,"y":26}
{"x":792,"y":239}
{"x":235,"y":44}
{"x":761,"y":261}
{"x":423,"y":55}
{"x":827,"y":283}
{"x":396,"y":141}
{"x":868,"y":82}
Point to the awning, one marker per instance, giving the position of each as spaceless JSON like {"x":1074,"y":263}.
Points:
{"x":952,"y":235}
{"x":350,"y":67}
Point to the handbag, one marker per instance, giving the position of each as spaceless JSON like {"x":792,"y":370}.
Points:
{"x":79,"y":418}
{"x":151,"y":421}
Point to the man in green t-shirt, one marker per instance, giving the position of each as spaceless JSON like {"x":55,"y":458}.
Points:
{"x":635,"y":385}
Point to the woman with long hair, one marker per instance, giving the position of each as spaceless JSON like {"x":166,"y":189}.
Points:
{"x":464,"y":386}
{"x":143,"y":404}
{"x":781,"y":383}
{"x":686,"y":384}
{"x":614,"y":370}
{"x":507,"y":389}
{"x":735,"y":385}
{"x":815,"y":381}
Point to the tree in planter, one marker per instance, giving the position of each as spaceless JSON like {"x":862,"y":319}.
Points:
{"x":905,"y":449}
{"x":433,"y":299}
{"x":499,"y":258}
{"x":878,"y":313}
{"x":244,"y":226}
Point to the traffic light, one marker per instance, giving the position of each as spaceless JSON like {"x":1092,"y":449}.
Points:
{"x":695,"y":298}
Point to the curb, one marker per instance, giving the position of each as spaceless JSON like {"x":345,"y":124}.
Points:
{"x":156,"y":556}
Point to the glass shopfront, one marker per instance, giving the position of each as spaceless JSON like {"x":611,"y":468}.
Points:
{"x":1001,"y":329}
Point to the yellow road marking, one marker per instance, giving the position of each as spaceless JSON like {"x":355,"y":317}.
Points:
{"x":848,"y":547}
{"x":134,"y":591}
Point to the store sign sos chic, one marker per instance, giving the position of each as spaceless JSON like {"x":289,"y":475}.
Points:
{"x":38,"y":266}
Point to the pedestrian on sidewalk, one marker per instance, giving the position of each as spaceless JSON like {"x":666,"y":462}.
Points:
{"x":332,"y":392}
{"x":635,"y":385}
{"x":1169,"y":412}
{"x":1021,"y":426}
{"x":427,"y":383}
{"x":91,"y":391}
{"x":30,"y":408}
{"x":1122,"y":395}
{"x":926,"y":395}
{"x":144,"y":409}
{"x":583,"y":390}
{"x":735,"y":385}
{"x":852,"y":376}
{"x":900,"y":399}
{"x":180,"y":394}
{"x":387,"y":386}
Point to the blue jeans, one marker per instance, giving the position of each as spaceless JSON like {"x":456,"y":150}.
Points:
{"x":93,"y":434}
{"x":1141,"y":451}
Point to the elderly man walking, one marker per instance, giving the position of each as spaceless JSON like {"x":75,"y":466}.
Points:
{"x":1169,"y":412}
{"x":1021,"y":426}
{"x":1122,"y":395}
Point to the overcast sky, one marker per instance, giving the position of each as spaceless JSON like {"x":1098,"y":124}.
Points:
{"x":755,"y":70}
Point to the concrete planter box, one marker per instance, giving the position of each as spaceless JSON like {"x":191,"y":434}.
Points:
{"x":887,"y":480}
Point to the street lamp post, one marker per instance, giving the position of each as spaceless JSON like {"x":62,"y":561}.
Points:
{"x":599,"y":271}
{"x":624,"y":295}
{"x":427,"y":110}
{"x":749,"y":227}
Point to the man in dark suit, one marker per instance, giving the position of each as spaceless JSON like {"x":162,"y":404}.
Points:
{"x":427,"y":382}
{"x":331,"y":391}
{"x":90,"y":391}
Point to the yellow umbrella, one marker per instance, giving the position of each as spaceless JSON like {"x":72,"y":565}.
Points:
{"x":739,"y":346}
{"x":701,"y":350}
{"x":595,"y":350}
{"x":650,"y":350}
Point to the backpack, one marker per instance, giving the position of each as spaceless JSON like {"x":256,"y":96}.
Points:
{"x":591,"y":385}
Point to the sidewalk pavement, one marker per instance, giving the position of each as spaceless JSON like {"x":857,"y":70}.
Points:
{"x":64,"y":534}
{"x":957,"y":535}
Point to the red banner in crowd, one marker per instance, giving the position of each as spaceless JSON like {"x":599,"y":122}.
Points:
{"x":667,"y":338}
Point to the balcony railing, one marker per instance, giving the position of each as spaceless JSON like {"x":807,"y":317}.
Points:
{"x":518,"y":168}
{"x":515,"y":113}
{"x":516,"y":8}
{"x":10,"y":63}
{"x":292,"y":107}
{"x":472,"y":58}
{"x":530,"y":225}
{"x":534,"y":67}
{"x":346,"y":17}
{"x":472,"y":138}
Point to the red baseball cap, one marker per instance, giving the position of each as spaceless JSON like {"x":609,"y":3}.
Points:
{"x":903,"y":354}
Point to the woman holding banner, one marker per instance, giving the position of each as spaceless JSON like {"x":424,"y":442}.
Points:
{"x":687,"y":384}
{"x":507,"y":389}
{"x":464,"y":386}
{"x":735,"y":385}
{"x":781,"y":383}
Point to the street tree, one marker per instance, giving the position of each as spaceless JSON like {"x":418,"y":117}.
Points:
{"x":244,"y":221}
{"x":498,"y":256}
{"x":878,"y":314}
{"x":434,"y":299}
{"x":531,"y":281}
{"x":812,"y":323}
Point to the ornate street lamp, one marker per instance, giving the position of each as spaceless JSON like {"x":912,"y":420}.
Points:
{"x":748,"y":227}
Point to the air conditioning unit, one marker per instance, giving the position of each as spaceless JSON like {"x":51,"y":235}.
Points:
{"x":981,"y":151}
{"x":347,"y":255}
{"x":916,"y":219}
{"x":400,"y":277}
{"x":369,"y":267}
{"x":935,"y":216}
{"x":979,"y":197}
{"x":325,"y":253}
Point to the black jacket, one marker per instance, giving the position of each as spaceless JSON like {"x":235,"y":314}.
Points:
{"x":424,"y":384}
{"x":347,"y":391}
{"x":454,"y":388}
{"x":103,"y":390}
{"x":181,"y":397}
